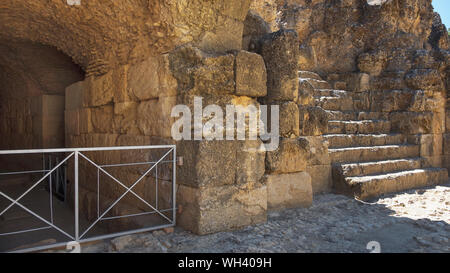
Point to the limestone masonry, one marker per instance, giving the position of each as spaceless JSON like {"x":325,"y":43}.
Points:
{"x":361,"y":88}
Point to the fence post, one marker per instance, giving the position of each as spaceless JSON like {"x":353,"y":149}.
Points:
{"x":76,"y":198}
{"x":174,"y":182}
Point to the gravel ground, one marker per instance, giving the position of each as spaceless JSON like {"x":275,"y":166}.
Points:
{"x":412,"y":221}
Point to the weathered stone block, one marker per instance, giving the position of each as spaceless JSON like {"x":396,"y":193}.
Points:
{"x":320,"y":178}
{"x":317,"y":149}
{"x":214,"y":209}
{"x":431,"y":145}
{"x":290,"y":157}
{"x":143,"y":79}
{"x":250,"y":159}
{"x":251,"y":75}
{"x":207,"y":163}
{"x":305,"y":93}
{"x":313,"y":121}
{"x":102,"y":119}
{"x":98,"y":90}
{"x":372,"y":63}
{"x":280,"y":51}
{"x":411,"y":122}
{"x":216,"y":75}
{"x":289,"y":120}
{"x":120,"y":78}
{"x":288,"y":190}
{"x":424,"y":79}
{"x":154,"y":116}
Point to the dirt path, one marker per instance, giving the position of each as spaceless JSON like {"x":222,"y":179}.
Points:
{"x":413,"y":221}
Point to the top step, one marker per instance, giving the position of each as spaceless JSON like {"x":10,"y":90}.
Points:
{"x":308,"y":75}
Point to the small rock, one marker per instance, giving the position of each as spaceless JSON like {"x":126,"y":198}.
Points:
{"x":120,"y":243}
{"x":168,"y":230}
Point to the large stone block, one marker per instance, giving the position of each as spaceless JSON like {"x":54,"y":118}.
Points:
{"x":154,"y":116}
{"x":213,"y":209}
{"x":320,"y":178}
{"x":431,"y":145}
{"x":411,"y":122}
{"x":215,"y":75}
{"x":120,"y":78}
{"x":217,"y":163}
{"x":207,"y":163}
{"x":305,"y":93}
{"x":425,"y":79}
{"x":317,"y":150}
{"x":289,"y":120}
{"x":372,"y":62}
{"x":313,"y":121}
{"x":250,"y":158}
{"x":98,"y":90}
{"x":290,"y":157}
{"x":201,"y":72}
{"x":102,"y":119}
{"x":280,"y":51}
{"x":143,"y":80}
{"x":251,"y":75}
{"x":288,"y":190}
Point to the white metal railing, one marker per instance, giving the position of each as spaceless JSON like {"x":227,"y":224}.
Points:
{"x":80,"y":236}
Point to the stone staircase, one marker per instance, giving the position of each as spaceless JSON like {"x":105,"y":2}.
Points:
{"x":367,"y":159}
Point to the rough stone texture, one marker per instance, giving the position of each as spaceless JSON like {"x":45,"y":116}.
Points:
{"x":213,"y":209}
{"x":288,"y":190}
{"x":289,"y":119}
{"x":124,"y":32}
{"x":335,"y":35}
{"x":321,"y":180}
{"x":280,"y":52}
{"x":290,"y":157}
{"x":217,"y":163}
{"x":251,"y":75}
{"x":313,"y":121}
{"x":132,"y":62}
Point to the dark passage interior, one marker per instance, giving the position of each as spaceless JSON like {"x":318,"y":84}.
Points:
{"x":33,"y":79}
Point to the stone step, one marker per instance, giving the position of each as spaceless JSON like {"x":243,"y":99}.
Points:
{"x":358,"y":126}
{"x":330,"y":93}
{"x":378,"y":167}
{"x":366,"y":187}
{"x":354,"y":115}
{"x":334,"y":103}
{"x":309,"y":75}
{"x":361,"y":140}
{"x":318,"y":84}
{"x":373,"y":153}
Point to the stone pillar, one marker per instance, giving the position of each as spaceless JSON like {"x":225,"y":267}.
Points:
{"x":288,"y":182}
{"x":220,"y":185}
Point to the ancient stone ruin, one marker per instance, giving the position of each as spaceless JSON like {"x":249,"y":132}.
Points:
{"x":361,"y":88}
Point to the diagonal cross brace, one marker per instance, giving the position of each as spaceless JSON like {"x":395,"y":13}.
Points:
{"x":126,"y":192}
{"x":120,"y":183}
{"x":15,"y":202}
